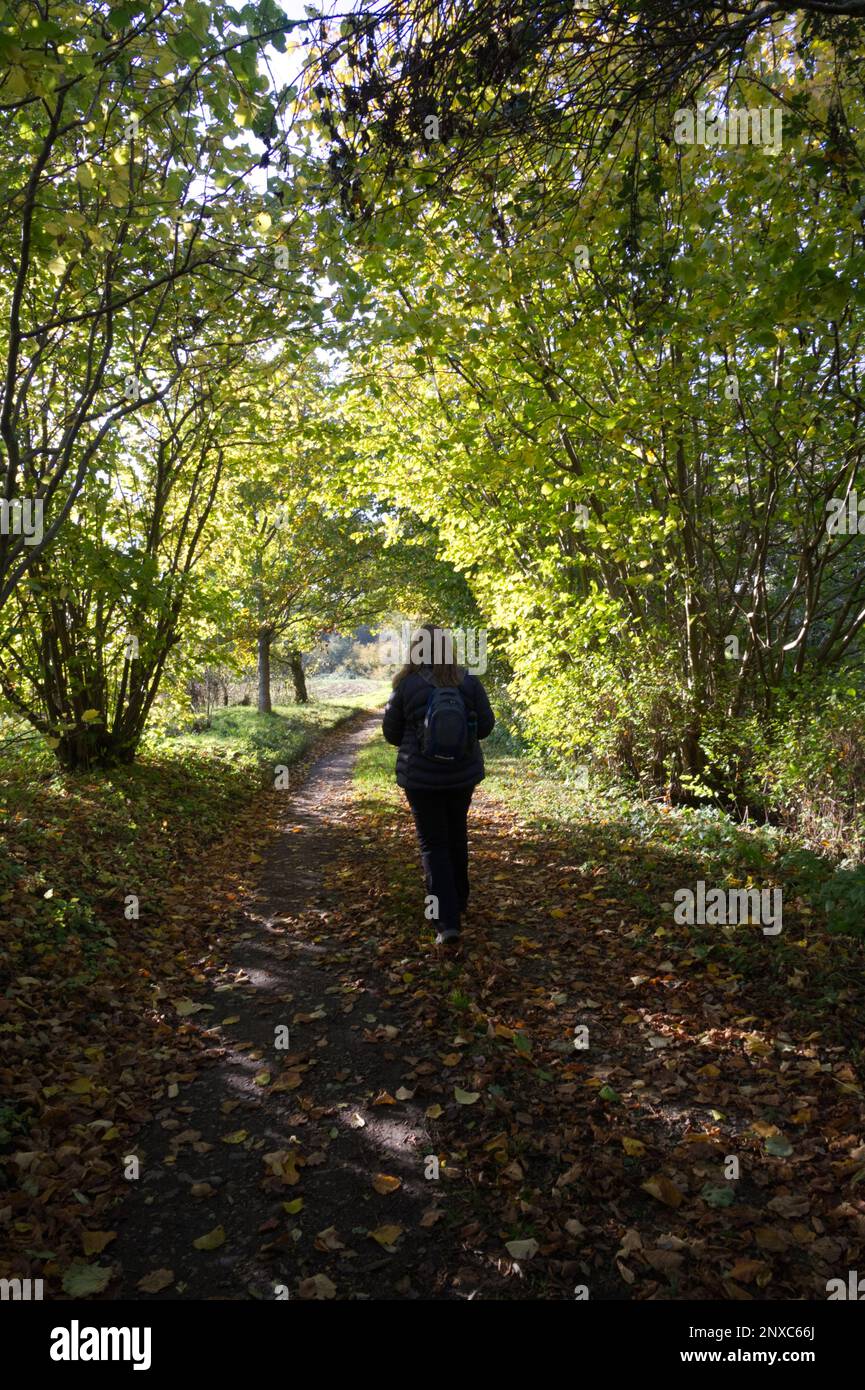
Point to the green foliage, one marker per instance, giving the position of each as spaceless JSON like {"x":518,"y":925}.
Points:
{"x":637,"y":532}
{"x":844,"y":901}
{"x":253,"y":741}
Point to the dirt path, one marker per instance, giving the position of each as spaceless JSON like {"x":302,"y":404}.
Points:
{"x":205,"y":1155}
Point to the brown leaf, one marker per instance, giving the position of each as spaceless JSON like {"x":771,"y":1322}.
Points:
{"x":156,"y":1281}
{"x":94,"y":1242}
{"x":319,"y":1287}
{"x":663,"y":1189}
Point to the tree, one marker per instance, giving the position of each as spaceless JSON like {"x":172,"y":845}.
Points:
{"x":451,"y":93}
{"x":97,"y":621}
{"x":626,"y":405}
{"x":126,"y":210}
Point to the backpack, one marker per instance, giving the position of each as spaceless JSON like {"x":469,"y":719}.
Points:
{"x":446,"y":733}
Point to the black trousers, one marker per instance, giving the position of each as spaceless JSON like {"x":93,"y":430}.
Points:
{"x":440,"y":818}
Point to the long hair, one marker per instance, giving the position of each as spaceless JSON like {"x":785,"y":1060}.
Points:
{"x":433,"y":647}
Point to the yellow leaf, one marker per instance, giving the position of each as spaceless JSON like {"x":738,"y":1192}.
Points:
{"x":293,"y":1207}
{"x":384,"y":1184}
{"x":212,"y":1240}
{"x":434,"y":1111}
{"x":185,"y":1007}
{"x":634,"y":1147}
{"x":386,"y":1235}
{"x":283,"y":1164}
{"x":90,"y":715}
{"x":237,"y":1136}
{"x":80,"y":1086}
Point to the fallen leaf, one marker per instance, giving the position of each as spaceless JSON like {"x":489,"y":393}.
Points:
{"x":384,"y":1184}
{"x":94,"y":1242}
{"x":748,"y":1270}
{"x":185,"y":1007}
{"x":212,"y":1240}
{"x":237,"y":1136}
{"x":522,"y":1249}
{"x":779,"y":1146}
{"x":319,"y":1286}
{"x":329,"y":1240}
{"x":466,"y":1097}
{"x":283,"y":1164}
{"x":386,"y":1235}
{"x":664,"y":1190}
{"x":156,"y":1281}
{"x":81,"y":1280}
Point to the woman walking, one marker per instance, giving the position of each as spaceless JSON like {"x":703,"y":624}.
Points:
{"x":436,"y":716}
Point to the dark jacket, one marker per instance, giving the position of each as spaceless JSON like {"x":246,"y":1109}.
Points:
{"x":404,"y":713}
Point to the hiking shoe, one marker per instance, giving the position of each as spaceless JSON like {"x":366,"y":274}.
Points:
{"x":448,"y":936}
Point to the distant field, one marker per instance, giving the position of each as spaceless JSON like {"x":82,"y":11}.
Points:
{"x":362,"y":690}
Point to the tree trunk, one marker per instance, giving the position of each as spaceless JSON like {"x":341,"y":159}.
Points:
{"x":265,"y":637}
{"x":301,"y":695}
